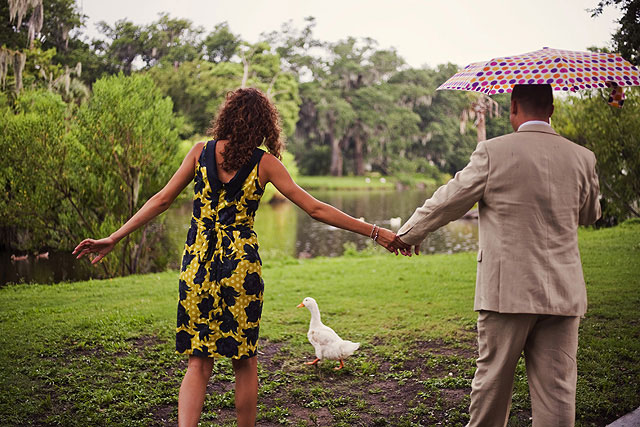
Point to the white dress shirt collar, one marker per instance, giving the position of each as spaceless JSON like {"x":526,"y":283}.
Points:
{"x":533,"y":122}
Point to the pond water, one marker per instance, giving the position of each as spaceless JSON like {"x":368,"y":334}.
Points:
{"x":283,"y":231}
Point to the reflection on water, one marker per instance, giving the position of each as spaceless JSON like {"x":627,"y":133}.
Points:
{"x":283,"y":230}
{"x":58,"y":267}
{"x":313,"y":238}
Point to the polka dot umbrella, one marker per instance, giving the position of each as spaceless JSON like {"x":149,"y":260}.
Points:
{"x":563,"y":69}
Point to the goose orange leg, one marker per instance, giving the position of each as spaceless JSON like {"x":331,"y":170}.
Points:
{"x":312,"y":363}
{"x":341,"y":366}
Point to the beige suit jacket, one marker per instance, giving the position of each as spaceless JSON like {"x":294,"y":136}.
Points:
{"x":533,"y":189}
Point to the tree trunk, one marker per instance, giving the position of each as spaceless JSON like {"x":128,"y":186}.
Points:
{"x":359,"y":154}
{"x":19,"y":60}
{"x":125,"y":251}
{"x":336,"y":149}
{"x":336,"y":156}
{"x":138,"y":250}
{"x":481,"y":126}
{"x":245,"y":72}
{"x":135,"y":190}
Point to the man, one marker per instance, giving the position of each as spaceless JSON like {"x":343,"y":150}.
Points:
{"x":533,"y":189}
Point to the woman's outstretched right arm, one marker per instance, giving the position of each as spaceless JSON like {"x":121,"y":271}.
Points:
{"x":157,"y":204}
{"x":272,"y":170}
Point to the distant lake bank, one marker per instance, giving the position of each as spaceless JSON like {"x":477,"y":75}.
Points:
{"x":283,"y":230}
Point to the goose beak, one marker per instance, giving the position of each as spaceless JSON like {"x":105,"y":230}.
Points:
{"x":300,"y":305}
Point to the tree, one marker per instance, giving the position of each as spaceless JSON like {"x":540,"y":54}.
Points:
{"x":614,"y":136}
{"x":480,"y":108}
{"x":47,"y":33}
{"x":199,"y":87}
{"x":36,"y":69}
{"x":125,"y":42}
{"x":295,"y":47}
{"x":18,"y":10}
{"x":71,"y":172}
{"x":627,"y":38}
{"x":349,"y":107}
{"x":438,"y":142}
{"x":174,"y":40}
{"x":221,"y":44}
{"x":127,"y":141}
{"x":35,"y":145}
{"x":500,"y":124}
{"x":61,"y":22}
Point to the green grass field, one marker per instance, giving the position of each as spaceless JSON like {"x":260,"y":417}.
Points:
{"x":101,"y":352}
{"x":365,"y":182}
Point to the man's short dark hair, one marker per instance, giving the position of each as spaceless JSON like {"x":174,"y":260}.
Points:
{"x":534,"y":99}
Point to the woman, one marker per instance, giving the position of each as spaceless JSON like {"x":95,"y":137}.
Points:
{"x":220,"y":285}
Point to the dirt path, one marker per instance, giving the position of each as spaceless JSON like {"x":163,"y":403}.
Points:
{"x":427,"y":384}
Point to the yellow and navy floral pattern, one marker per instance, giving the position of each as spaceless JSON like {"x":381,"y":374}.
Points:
{"x":221,"y":286}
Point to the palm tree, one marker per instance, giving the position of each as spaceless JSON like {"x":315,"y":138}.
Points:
{"x":479,"y":107}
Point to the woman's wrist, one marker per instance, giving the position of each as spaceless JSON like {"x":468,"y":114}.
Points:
{"x":374,"y":233}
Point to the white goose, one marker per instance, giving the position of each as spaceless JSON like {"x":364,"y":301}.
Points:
{"x":325,"y":341}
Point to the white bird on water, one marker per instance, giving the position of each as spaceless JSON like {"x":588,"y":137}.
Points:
{"x":325,"y":341}
{"x":395,"y":222}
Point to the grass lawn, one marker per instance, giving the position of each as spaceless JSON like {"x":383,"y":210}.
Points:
{"x":364,"y":182}
{"x":101,"y":352}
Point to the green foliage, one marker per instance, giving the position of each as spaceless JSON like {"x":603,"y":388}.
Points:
{"x":627,"y":38}
{"x":221,"y":44}
{"x":71,"y":173}
{"x":365,"y":106}
{"x":349,"y":107}
{"x":197,"y":89}
{"x":34,"y":171}
{"x":614,"y":136}
{"x":127,"y":153}
{"x":60,"y":19}
{"x":500,"y":125}
{"x":60,"y":35}
{"x":440,"y":140}
{"x":125,"y":42}
{"x":360,"y":108}
{"x":172,"y":40}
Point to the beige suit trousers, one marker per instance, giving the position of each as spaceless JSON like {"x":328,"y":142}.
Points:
{"x":550,"y":345}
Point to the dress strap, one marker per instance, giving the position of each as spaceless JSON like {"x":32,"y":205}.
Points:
{"x":238,"y":179}
{"x":208,"y":160}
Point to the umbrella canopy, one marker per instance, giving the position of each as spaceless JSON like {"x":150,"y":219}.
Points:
{"x":562,"y":69}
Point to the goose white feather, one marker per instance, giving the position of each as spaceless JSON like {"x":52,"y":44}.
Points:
{"x":325,"y":341}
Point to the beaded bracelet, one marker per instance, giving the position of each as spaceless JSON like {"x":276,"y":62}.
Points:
{"x":372,"y":231}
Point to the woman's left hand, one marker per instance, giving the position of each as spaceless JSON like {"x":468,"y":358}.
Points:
{"x":90,"y":246}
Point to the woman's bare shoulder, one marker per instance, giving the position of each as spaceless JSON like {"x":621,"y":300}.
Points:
{"x":196,"y":150}
{"x":271,"y":167}
{"x":270,"y":159}
{"x":198,"y":147}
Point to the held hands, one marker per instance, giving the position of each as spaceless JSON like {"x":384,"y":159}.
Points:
{"x":391,"y":242}
{"x":89,"y":246}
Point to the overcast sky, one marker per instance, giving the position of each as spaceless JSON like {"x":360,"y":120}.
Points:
{"x":424,"y":32}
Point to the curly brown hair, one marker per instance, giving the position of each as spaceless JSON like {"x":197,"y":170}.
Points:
{"x":247,"y":119}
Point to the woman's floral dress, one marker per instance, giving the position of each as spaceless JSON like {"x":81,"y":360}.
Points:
{"x":221,"y":286}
